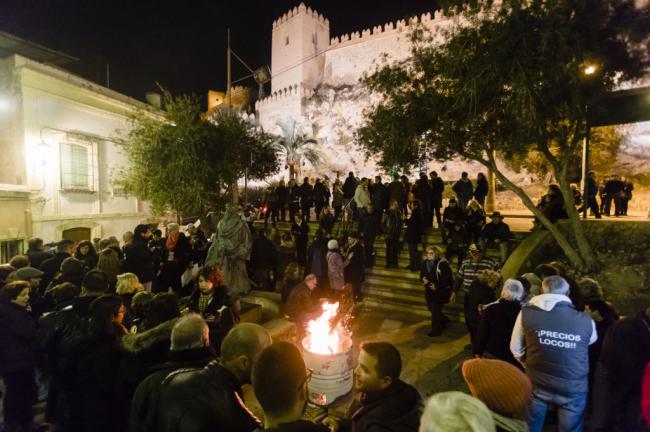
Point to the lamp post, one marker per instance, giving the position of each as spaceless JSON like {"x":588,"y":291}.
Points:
{"x":588,"y":71}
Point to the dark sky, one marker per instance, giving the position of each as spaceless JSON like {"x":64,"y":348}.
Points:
{"x":180,"y":44}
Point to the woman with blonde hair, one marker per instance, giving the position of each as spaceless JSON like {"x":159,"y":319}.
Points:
{"x":127,"y":286}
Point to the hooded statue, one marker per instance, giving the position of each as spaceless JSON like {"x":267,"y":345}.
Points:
{"x":231,"y":250}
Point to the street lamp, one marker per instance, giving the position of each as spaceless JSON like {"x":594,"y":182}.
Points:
{"x":589,"y":70}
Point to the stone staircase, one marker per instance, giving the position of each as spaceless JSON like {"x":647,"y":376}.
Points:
{"x":399,"y":289}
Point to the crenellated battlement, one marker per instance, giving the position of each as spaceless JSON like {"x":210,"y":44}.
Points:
{"x":301,"y":9}
{"x":285,"y":93}
{"x":388,"y":28}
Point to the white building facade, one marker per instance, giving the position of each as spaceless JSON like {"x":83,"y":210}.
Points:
{"x":60,"y":158}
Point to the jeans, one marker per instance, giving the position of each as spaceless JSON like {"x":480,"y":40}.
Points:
{"x":570,"y":410}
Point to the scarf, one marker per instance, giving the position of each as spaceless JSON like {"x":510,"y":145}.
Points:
{"x":171,"y":242}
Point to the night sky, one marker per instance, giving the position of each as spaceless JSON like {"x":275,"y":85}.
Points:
{"x":179,"y":44}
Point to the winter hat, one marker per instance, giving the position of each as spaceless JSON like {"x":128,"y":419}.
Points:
{"x":71,"y":266}
{"x":504,"y":388}
{"x":26,"y":273}
{"x":332,"y":245}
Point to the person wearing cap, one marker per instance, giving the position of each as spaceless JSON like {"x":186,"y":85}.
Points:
{"x":138,"y":258}
{"x":469,"y":270}
{"x":503,"y":388}
{"x":496,"y":233}
{"x":28,"y":274}
{"x":335,"y":266}
{"x":51,"y":266}
{"x":551,"y":339}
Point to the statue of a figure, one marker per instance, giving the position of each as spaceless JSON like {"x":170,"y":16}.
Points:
{"x":230,"y":251}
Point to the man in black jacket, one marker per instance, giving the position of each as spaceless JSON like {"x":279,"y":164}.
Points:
{"x":422,"y":193}
{"x":35,"y":252}
{"x":354,"y":272}
{"x":211,"y":398}
{"x":371,"y":221}
{"x":138,"y":259}
{"x":280,"y":382}
{"x":386,"y":403}
{"x":613,"y":188}
{"x":379,"y":196}
{"x":52,"y":266}
{"x":437,"y":190}
{"x":391,"y":223}
{"x":283,"y":199}
{"x":464,"y":190}
{"x":189,"y":349}
{"x":349,"y":187}
{"x":306,"y":199}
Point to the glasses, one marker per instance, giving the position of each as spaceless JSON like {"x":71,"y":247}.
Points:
{"x":307,"y":379}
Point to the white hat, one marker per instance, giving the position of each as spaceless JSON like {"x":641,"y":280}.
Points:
{"x":332,"y":244}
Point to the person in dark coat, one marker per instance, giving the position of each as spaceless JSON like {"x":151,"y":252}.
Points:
{"x":626,"y":195}
{"x":349,"y":186}
{"x":321,"y":196}
{"x":552,"y":204}
{"x":354,"y":273}
{"x":280,"y":382}
{"x":294,"y":200}
{"x":175,"y":259}
{"x":306,"y":198}
{"x":496,"y":233}
{"x":283,"y":199}
{"x":453,"y":215}
{"x":301,"y":306}
{"x":464,"y":190}
{"x":438,"y":279}
{"x":386,"y":402}
{"x":300,"y":233}
{"x":480,"y":293}
{"x":17,"y":356}
{"x":51,"y":266}
{"x":263,"y":261}
{"x":496,"y":324}
{"x":326,"y":220}
{"x":86,"y":253}
{"x":371,"y":226}
{"x":422,"y":193}
{"x":437,"y":190}
{"x":616,"y":400}
{"x":317,"y":257}
{"x":190,"y":349}
{"x":35,"y":252}
{"x":94,"y":367}
{"x":211,"y":399}
{"x":475,"y":219}
{"x":613,"y":188}
{"x":286,"y":253}
{"x":379,"y":196}
{"x":458,"y":241}
{"x":212,"y":302}
{"x":397,"y":192}
{"x":592,"y":192}
{"x":138,"y":258}
{"x":391,"y":224}
{"x":481,"y":189}
{"x":413,"y":234}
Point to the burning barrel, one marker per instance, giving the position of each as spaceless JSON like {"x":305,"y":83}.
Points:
{"x":328,"y":353}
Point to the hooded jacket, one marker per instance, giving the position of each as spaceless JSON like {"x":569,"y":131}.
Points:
{"x":555,"y":339}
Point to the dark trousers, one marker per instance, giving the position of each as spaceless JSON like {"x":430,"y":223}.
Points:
{"x":369,"y":248}
{"x":301,"y":251}
{"x":592,"y":204}
{"x":282,"y":211}
{"x":356,"y":290}
{"x":392,"y":251}
{"x":318,"y":208}
{"x":453,"y":250}
{"x":624,"y":202}
{"x":337,"y":212}
{"x":438,"y":318}
{"x":305,"y":212}
{"x":170,"y":276}
{"x":617,"y":205}
{"x":414,"y":256}
{"x":18,"y":399}
{"x":294,"y":209}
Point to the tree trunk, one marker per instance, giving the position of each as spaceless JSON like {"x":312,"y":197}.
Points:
{"x":235,"y":192}
{"x":575,"y":259}
{"x":584,"y":248}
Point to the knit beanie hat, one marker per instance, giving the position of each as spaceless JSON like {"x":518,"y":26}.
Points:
{"x":332,"y":245}
{"x":71,"y":266}
{"x":500,"y":385}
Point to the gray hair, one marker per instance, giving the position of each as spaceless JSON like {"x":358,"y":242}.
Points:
{"x":245,"y":339}
{"x":455,"y":411}
{"x":310,"y":277}
{"x":555,"y":285}
{"x":173,"y":226}
{"x":512,"y":290}
{"x":189,"y":332}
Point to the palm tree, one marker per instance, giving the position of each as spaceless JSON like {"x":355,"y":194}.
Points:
{"x":296,"y":145}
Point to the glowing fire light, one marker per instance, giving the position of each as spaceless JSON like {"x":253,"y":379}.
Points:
{"x":322,"y":338}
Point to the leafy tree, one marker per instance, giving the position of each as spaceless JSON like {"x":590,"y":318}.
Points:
{"x":295,"y":145}
{"x":185,"y":163}
{"x":507,"y":80}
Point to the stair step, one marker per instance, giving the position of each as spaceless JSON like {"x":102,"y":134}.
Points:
{"x":381,"y":271}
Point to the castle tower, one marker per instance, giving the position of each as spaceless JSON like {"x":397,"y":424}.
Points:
{"x":300,"y":37}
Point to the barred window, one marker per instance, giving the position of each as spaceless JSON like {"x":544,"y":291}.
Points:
{"x":78,"y":162}
{"x":10,"y":248}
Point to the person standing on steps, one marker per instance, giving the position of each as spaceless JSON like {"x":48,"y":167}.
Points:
{"x":437,"y":190}
{"x":306,"y":198}
{"x":391,"y":224}
{"x":294,"y":199}
{"x":481,"y":189}
{"x":422,"y":192}
{"x":354,"y":273}
{"x":464,"y":190}
{"x":300,"y":233}
{"x":283,"y":199}
{"x":437,"y":277}
{"x":413,"y":235}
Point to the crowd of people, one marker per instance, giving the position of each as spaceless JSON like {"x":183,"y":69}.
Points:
{"x":145,"y":335}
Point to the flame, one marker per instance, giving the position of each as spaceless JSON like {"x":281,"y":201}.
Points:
{"x":323,"y":339}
